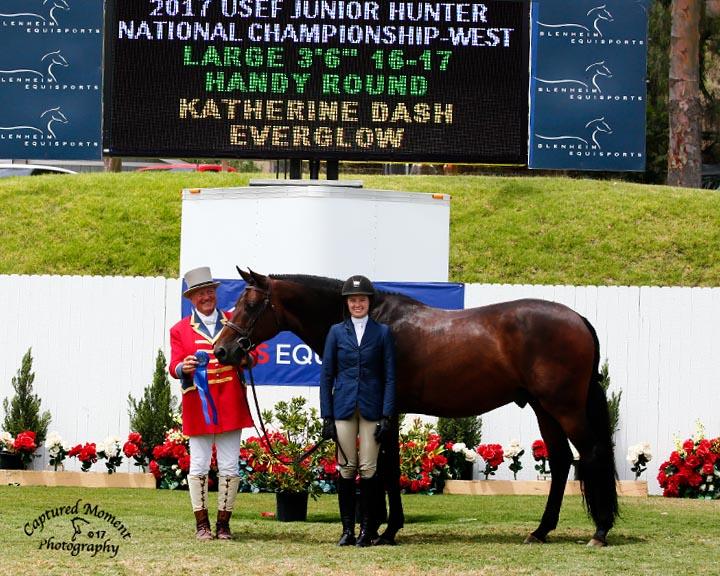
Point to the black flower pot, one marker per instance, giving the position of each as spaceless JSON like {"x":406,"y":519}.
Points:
{"x":291,"y":506}
{"x":10,"y":461}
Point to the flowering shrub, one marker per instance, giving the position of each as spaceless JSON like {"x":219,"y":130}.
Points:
{"x":57,"y":449}
{"x":136,"y":449}
{"x":111,"y":452}
{"x":514,"y":452}
{"x":24,"y":445}
{"x":86,"y":454}
{"x":459,"y":459}
{"x":493,"y":456}
{"x":275,"y":463}
{"x":171,"y":461}
{"x":540,"y":454}
{"x":639,"y":455}
{"x":693,"y":470}
{"x":423,"y":466}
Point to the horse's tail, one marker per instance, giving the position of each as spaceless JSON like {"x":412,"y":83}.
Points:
{"x":597,"y":469}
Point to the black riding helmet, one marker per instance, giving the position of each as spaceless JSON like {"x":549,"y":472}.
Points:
{"x":358,"y":285}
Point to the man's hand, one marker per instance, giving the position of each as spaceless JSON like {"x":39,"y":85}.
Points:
{"x":189,"y":365}
{"x":382,"y":429}
{"x":328,"y":430}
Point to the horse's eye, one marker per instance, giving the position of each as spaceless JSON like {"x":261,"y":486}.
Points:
{"x":250,"y":304}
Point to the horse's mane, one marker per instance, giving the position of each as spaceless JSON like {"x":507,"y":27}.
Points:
{"x":333,"y":286}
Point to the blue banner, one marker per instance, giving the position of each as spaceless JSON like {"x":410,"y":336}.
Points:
{"x":50,"y":79}
{"x":287,"y":361}
{"x":587,"y":85}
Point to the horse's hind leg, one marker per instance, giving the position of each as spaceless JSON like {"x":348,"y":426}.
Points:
{"x":560,"y":458}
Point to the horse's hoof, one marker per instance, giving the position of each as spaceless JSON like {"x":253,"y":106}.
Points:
{"x":384,"y":541}
{"x":596,"y":543}
{"x":532,"y":539}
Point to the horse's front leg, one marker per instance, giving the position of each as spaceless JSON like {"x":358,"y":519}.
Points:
{"x":390,"y":466}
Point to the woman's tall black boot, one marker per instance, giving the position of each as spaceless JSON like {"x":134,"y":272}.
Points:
{"x":368,"y":504}
{"x":346,"y":500}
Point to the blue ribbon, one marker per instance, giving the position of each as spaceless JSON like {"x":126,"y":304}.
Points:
{"x":201,"y":382}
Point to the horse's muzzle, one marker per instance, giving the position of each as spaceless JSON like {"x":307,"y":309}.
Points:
{"x":232,"y":353}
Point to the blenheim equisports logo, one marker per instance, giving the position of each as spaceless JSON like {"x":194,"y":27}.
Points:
{"x":594,"y":73}
{"x":42,"y":126}
{"x":41,"y":70}
{"x":596,"y":17}
{"x":78,"y":529}
{"x":593,"y":129}
{"x":46,"y":13}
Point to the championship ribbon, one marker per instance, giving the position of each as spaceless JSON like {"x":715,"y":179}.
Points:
{"x":201,"y":382}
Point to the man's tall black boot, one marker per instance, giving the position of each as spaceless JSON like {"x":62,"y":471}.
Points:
{"x":346,"y":501}
{"x":368,"y":523}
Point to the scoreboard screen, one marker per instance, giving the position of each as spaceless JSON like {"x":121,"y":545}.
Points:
{"x":327,"y":79}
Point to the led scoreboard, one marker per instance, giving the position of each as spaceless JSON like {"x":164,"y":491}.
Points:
{"x":327,"y":79}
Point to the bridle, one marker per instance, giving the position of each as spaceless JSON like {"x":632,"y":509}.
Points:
{"x":244,"y":336}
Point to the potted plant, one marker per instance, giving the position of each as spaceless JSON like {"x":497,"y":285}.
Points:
{"x":423,"y":464}
{"x":275,"y":462}
{"x":23,"y":416}
{"x":460,"y":436}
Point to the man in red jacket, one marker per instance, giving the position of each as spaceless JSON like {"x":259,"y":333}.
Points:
{"x":214,"y":405}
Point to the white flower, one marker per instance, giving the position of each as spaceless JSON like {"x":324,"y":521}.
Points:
{"x":638,"y":450}
{"x":513,"y":450}
{"x":6,"y":440}
{"x":459,"y":447}
{"x":470,"y":455}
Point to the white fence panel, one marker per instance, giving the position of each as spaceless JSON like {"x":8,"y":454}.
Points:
{"x":95,"y":339}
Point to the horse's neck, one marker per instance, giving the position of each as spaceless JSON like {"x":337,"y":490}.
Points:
{"x":310,"y":318}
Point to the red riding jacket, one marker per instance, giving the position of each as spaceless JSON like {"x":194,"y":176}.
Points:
{"x":226,"y":384}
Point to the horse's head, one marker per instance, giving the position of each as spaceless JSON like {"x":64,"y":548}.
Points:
{"x":254,"y":320}
{"x":56,"y":58}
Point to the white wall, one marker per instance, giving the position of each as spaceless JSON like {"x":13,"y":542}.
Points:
{"x":95,"y":339}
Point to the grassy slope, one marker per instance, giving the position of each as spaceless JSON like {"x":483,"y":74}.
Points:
{"x":515,"y":230}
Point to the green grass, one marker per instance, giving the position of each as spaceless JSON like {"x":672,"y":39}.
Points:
{"x":443,"y":535}
{"x":503,"y":229}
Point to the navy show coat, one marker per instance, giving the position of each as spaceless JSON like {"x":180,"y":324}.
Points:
{"x":358,"y":376}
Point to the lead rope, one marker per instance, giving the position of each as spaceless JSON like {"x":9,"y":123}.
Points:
{"x":257,"y":410}
{"x":264,"y":434}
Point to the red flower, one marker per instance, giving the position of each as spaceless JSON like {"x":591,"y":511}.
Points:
{"x":184,"y":463}
{"x":155,"y":469}
{"x":74,"y":451}
{"x":539,"y":450}
{"x":25,"y":442}
{"x":135,"y":438}
{"x":130,"y":449}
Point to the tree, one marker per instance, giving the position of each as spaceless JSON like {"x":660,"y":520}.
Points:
{"x":23,"y":411}
{"x":152,"y":416}
{"x":466,"y":430}
{"x":685,"y":111}
{"x":613,"y":400}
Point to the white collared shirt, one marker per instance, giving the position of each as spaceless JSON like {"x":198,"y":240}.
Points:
{"x":210,"y":322}
{"x":359,"y":324}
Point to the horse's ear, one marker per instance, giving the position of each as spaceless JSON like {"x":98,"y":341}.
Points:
{"x":244,"y":275}
{"x":258,"y":279}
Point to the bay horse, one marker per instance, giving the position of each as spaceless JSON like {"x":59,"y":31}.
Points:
{"x":459,"y":363}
